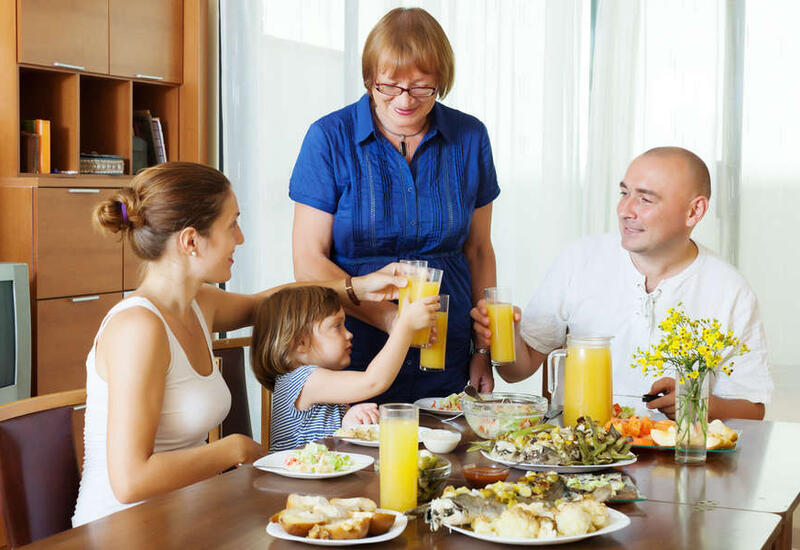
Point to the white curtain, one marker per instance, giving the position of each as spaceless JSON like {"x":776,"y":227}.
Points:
{"x":663,"y":72}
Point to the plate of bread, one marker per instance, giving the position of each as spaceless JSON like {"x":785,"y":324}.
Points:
{"x":313,"y":519}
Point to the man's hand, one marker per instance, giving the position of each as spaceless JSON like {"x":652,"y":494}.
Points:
{"x":665,"y":403}
{"x":363,"y":413}
{"x":480,"y":373}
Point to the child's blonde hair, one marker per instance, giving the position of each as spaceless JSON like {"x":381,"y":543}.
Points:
{"x":282,"y":321}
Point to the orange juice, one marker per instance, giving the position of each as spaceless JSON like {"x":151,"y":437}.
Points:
{"x":432,"y":358}
{"x":423,"y":289}
{"x":587,"y":384}
{"x":501,"y":323}
{"x":409,"y":291}
{"x":398,"y":456}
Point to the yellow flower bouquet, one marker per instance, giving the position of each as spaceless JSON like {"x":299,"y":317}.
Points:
{"x":692,"y":349}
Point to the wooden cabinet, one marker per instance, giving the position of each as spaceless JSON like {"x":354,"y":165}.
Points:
{"x":143,"y":41}
{"x":76,"y":272}
{"x":66,"y":328}
{"x":63,"y":33}
{"x":73,"y":257}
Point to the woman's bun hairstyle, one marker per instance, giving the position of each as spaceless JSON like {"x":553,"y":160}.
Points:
{"x":162,"y":200}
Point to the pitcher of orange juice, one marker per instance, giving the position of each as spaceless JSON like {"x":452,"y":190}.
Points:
{"x":587,"y":378}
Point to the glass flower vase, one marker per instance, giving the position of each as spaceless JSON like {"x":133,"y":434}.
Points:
{"x":691,"y":420}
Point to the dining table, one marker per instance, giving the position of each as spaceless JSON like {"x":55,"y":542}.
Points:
{"x":736,"y":500}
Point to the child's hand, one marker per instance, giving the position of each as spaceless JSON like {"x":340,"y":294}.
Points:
{"x":420,"y":314}
{"x":363,"y":413}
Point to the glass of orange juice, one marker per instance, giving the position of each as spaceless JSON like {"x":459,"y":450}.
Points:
{"x":427,"y":287}
{"x":432,"y":357}
{"x":414,"y":273}
{"x":398,"y":456}
{"x":587,"y":378}
{"x":501,"y":323}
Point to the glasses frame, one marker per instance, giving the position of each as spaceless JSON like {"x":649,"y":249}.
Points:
{"x":430,"y":89}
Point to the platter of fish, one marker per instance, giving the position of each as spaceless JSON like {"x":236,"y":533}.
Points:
{"x":586,"y":447}
{"x":540,"y":508}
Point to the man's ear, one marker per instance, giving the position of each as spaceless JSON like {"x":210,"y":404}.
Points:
{"x":697,"y":209}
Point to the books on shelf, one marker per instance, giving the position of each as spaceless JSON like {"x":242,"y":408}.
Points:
{"x":158,"y":141}
{"x":41,"y":128}
{"x":150,"y":129}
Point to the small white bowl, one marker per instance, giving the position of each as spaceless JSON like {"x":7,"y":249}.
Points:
{"x":440,"y":441}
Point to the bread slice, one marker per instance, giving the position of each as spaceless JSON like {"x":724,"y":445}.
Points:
{"x":341,"y":529}
{"x":305,"y":502}
{"x":298,"y":522}
{"x":357,"y":504}
{"x":379,"y":522}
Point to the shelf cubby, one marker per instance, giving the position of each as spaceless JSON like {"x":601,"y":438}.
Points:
{"x":53,"y":96}
{"x":162,"y":101}
{"x":106,"y":117}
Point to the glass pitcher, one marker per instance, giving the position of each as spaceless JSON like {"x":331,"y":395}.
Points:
{"x":587,"y":378}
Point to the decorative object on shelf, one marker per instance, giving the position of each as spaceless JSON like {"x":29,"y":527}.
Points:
{"x":29,"y":152}
{"x":41,"y":128}
{"x":695,"y":350}
{"x":110,"y":165}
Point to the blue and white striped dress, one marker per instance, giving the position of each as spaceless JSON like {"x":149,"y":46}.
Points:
{"x":291,"y":428}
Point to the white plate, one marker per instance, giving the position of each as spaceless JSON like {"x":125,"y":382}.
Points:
{"x":560,"y":469}
{"x":400,"y":522}
{"x":617,"y":521}
{"x":376,"y":443}
{"x":275,"y":463}
{"x":426,"y":404}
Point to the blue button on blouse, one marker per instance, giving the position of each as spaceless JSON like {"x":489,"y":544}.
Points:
{"x":386,"y":209}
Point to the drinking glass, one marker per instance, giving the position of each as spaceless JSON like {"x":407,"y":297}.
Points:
{"x":428,"y":287}
{"x":432,"y":357}
{"x":414,"y":272}
{"x":501,"y":323}
{"x":398,"y":456}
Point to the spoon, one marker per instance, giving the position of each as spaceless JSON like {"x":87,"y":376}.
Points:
{"x":471,"y":391}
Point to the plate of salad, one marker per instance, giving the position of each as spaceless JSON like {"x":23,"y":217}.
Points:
{"x":446,"y":406}
{"x":314,"y":461}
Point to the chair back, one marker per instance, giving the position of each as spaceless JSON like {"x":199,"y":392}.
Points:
{"x":39,"y":475}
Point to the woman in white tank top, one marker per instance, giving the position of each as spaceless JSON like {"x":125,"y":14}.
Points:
{"x":153,"y":392}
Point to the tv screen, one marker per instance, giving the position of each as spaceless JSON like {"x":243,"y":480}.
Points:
{"x":8,"y":348}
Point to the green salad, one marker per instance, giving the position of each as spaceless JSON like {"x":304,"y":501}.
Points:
{"x":316,"y":458}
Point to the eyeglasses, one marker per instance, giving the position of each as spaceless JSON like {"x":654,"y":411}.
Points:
{"x":419,"y":91}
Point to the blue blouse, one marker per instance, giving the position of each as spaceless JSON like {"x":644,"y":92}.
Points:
{"x":386,"y":209}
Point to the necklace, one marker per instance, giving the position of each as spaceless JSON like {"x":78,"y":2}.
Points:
{"x":402,"y":136}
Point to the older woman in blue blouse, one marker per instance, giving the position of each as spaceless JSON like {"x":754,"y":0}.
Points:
{"x":399,"y":175}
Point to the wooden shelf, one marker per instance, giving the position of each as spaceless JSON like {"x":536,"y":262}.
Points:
{"x":162,"y":101}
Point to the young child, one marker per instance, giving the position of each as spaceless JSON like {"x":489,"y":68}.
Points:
{"x":300,"y":346}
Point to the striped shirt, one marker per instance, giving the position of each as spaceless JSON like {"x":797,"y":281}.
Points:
{"x":291,"y":428}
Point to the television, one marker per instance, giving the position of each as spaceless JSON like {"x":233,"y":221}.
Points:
{"x":15,"y":333}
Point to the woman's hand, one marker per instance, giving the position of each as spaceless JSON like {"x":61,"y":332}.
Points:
{"x":246,"y":450}
{"x":380,"y":285}
{"x":363,"y":413}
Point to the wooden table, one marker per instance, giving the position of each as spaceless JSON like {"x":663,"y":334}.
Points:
{"x":231,"y":510}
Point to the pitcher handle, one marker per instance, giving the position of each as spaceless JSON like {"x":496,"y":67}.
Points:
{"x":552,"y":357}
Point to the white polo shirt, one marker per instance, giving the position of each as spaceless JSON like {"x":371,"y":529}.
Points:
{"x":593,"y":288}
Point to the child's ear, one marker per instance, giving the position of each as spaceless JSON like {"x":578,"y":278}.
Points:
{"x":302,"y":348}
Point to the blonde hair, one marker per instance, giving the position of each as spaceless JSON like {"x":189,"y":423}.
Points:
{"x":409,"y":37}
{"x":282,"y":321}
{"x":161,"y":200}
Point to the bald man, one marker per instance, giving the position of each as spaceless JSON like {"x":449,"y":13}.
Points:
{"x":622,"y":284}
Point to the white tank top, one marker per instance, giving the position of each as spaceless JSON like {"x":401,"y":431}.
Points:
{"x":193,"y":404}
